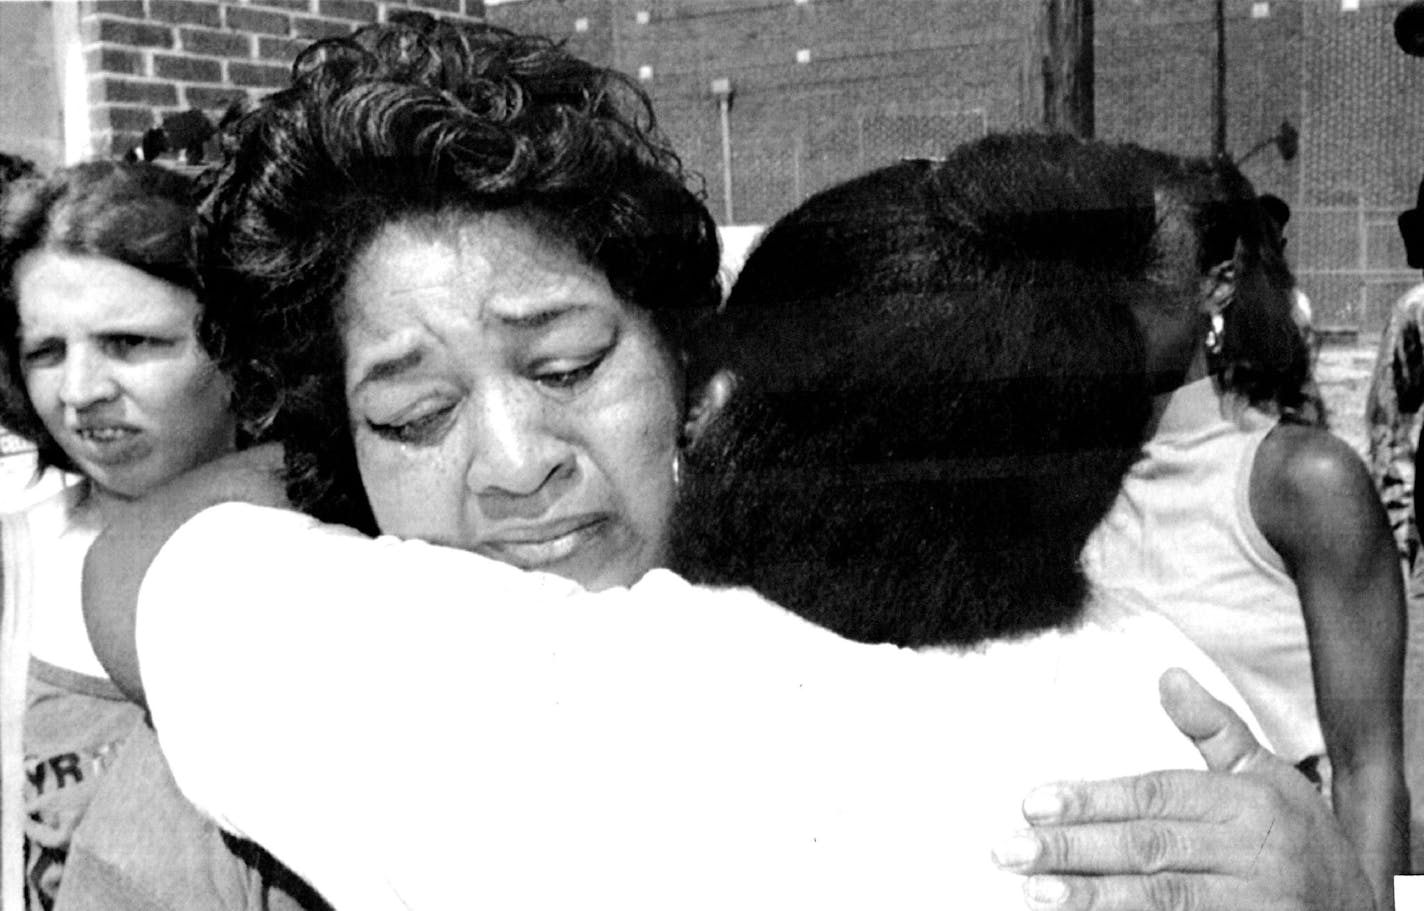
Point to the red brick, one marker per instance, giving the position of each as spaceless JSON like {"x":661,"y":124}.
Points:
{"x":186,"y":69}
{"x":133,"y":34}
{"x":128,"y":9}
{"x":114,"y":60}
{"x":257,"y":75}
{"x":303,"y":27}
{"x":122,"y":118}
{"x":401,"y":14}
{"x":217,"y":44}
{"x":475,"y":9}
{"x":184,"y":12}
{"x":356,"y":10}
{"x":279,"y":49}
{"x":209,"y":98}
{"x":294,"y":6}
{"x":264,"y":22}
{"x":132,"y":91}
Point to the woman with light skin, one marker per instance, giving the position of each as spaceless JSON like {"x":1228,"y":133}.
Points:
{"x":104,"y":371}
{"x":490,"y":359}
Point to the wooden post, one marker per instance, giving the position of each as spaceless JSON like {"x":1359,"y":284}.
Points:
{"x":1218,"y":96}
{"x":1062,"y":65}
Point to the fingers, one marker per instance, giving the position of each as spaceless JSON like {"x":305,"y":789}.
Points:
{"x":1219,"y":733}
{"x":1163,"y":892}
{"x":1143,"y":847}
{"x":1182,"y":795}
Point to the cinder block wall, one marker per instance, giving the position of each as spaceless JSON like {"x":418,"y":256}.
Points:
{"x":148,"y":58}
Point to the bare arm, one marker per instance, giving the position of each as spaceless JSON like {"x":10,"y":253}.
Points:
{"x":1314,"y":501}
{"x":116,"y":563}
{"x":1250,"y":834}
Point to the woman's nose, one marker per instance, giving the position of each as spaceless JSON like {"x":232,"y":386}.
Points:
{"x":516,"y":457}
{"x":88,"y":379}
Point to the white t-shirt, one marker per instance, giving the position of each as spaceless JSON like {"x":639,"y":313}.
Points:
{"x":409,"y":726}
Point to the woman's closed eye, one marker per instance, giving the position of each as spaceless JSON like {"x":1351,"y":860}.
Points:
{"x":569,"y":372}
{"x":420,"y":427}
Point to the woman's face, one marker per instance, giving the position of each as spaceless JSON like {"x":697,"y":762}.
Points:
{"x":504,"y":400}
{"x":113,"y":367}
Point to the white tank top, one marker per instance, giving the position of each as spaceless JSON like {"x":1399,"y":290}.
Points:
{"x":1182,"y":536}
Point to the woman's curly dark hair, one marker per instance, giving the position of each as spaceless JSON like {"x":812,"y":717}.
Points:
{"x":139,"y":214}
{"x":413,"y":119}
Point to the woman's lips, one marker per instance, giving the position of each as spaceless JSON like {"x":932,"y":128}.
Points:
{"x":108,"y":443}
{"x":542,"y":545}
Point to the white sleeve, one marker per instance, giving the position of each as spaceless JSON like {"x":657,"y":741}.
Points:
{"x":284,"y":662}
{"x":402,"y":724}
{"x":408,"y":726}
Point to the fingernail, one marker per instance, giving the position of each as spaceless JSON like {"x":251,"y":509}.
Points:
{"x":1017,"y":851}
{"x":1043,"y":805}
{"x":1045,"y":891}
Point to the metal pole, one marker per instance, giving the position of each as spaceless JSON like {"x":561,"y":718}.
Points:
{"x":722,"y":88}
{"x":725,"y":106}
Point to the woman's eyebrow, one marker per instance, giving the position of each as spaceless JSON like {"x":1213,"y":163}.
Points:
{"x":388,"y":367}
{"x":538,"y":319}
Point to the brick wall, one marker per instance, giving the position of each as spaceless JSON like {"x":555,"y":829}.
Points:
{"x":823,"y":89}
{"x":826,"y":88}
{"x":148,"y":58}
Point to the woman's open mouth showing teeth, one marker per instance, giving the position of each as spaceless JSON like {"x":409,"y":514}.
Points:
{"x":105,"y":434}
{"x":109,"y":444}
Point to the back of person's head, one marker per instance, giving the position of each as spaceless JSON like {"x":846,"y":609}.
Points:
{"x":1411,"y":231}
{"x":1276,"y":209}
{"x":1263,"y":357}
{"x":938,"y":383}
{"x":141,"y":215}
{"x":410,"y":120}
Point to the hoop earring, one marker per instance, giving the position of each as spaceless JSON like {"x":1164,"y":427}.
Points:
{"x":676,"y":470}
{"x":1216,"y":335}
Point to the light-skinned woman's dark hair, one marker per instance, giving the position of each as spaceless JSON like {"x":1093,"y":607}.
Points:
{"x":940,"y":383}
{"x":411,"y":119}
{"x":138,"y":214}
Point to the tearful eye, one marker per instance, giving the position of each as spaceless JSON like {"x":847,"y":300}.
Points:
{"x":425,"y":428}
{"x":570,"y":377}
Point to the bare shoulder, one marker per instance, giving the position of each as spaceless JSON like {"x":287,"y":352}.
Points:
{"x":1308,"y":483}
{"x":1302,"y":461}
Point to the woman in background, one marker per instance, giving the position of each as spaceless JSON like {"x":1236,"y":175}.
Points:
{"x":1259,"y":534}
{"x":102,"y":368}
